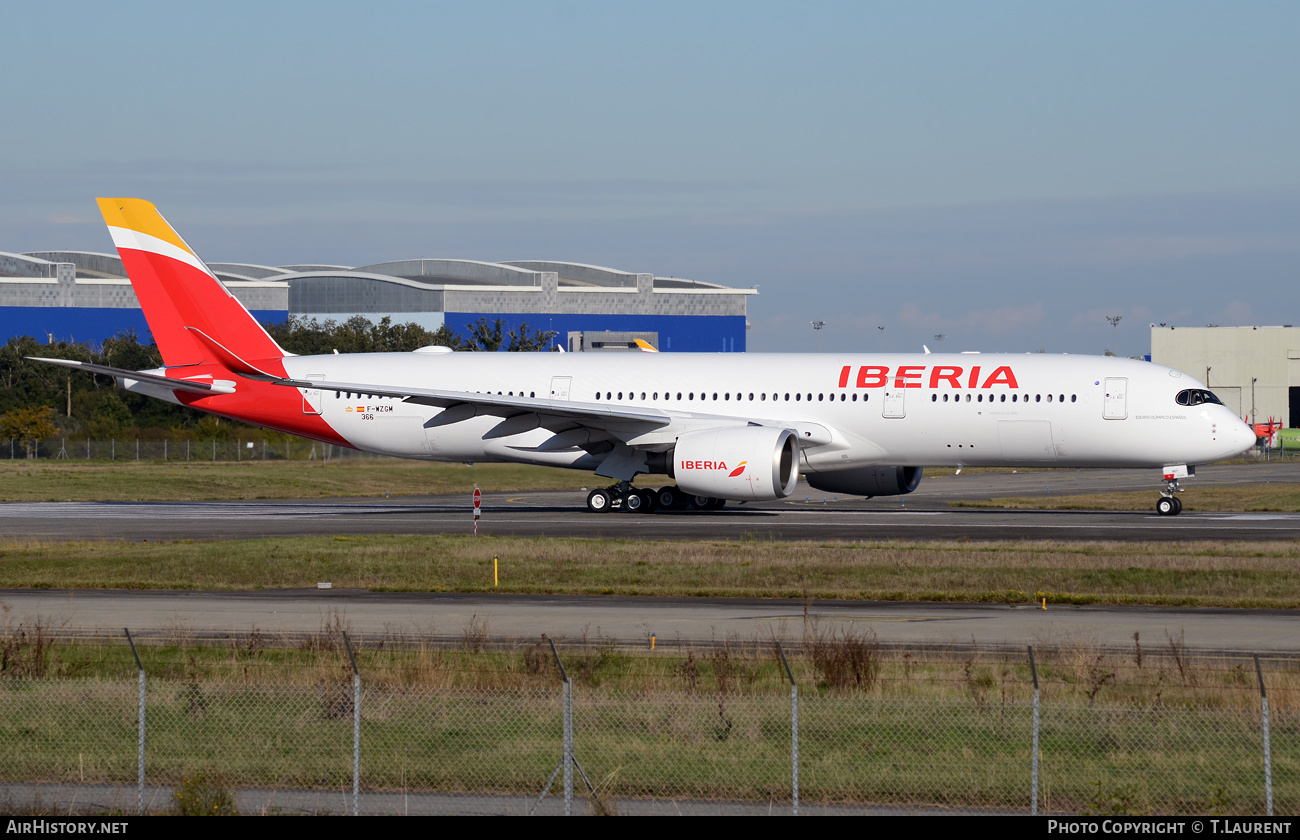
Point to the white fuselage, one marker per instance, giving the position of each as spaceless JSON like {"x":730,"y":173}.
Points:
{"x":852,"y":410}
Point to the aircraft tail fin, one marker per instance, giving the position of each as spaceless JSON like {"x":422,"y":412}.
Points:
{"x":180,"y":296}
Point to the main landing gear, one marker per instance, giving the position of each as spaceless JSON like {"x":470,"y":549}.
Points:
{"x":624,"y":497}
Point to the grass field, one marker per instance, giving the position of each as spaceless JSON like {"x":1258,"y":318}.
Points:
{"x":1146,"y":730}
{"x":1237,"y":574}
{"x":1269,"y":497}
{"x":828,"y":659}
{"x":122,"y":481}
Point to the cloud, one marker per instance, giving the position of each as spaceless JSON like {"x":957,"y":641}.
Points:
{"x":1238,"y":313}
{"x":1001,"y":321}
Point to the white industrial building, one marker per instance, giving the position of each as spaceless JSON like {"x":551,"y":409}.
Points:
{"x":1254,"y":370}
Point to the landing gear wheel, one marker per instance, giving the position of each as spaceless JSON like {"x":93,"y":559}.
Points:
{"x":702,"y":502}
{"x":599,"y":501}
{"x":651,"y":502}
{"x":670,"y":498}
{"x":636,"y":501}
{"x":1168,"y":506}
{"x":1178,"y":505}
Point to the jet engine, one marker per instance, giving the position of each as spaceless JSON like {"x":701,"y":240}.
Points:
{"x":868,"y":481}
{"x":750,"y":464}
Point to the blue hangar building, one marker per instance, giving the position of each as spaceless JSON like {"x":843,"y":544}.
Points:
{"x":84,"y":296}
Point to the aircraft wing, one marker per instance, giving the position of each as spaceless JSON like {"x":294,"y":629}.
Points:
{"x":462,"y":405}
{"x":636,"y":426}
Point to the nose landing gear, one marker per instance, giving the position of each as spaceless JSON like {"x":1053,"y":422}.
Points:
{"x":1169,"y":504}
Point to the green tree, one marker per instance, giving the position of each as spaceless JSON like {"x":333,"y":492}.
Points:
{"x":28,"y":425}
{"x":489,"y":337}
{"x":358,"y":334}
{"x":103,"y":413}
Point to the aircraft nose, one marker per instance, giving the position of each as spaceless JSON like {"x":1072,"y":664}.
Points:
{"x":1242,"y":437}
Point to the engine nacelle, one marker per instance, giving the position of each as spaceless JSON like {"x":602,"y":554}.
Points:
{"x":868,"y":481}
{"x":750,"y":464}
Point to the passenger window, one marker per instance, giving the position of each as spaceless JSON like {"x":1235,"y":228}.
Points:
{"x":934,"y":398}
{"x":1049,"y":397}
{"x":787,"y":398}
{"x":1074,"y":397}
{"x":796,"y":397}
{"x":855,"y":397}
{"x":1060,"y":398}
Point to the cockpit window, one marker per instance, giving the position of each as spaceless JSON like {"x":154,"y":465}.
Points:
{"x":1196,"y":396}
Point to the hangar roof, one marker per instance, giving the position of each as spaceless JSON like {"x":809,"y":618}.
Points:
{"x":425,"y":273}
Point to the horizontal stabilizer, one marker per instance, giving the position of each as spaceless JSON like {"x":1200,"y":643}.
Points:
{"x":140,"y":376}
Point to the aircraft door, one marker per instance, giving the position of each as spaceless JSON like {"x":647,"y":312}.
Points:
{"x":560,"y":387}
{"x":1116,"y":399}
{"x":894,"y":406}
{"x":311,"y":400}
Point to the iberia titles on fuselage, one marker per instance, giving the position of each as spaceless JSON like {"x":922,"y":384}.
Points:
{"x":912,"y":376}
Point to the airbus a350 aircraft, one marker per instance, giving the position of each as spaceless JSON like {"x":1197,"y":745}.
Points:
{"x":735,"y":426}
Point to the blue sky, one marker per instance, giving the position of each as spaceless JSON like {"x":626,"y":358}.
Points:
{"x":1004,"y":174}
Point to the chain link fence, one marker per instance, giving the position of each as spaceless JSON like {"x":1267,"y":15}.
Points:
{"x":142,"y":449}
{"x":349,"y":745}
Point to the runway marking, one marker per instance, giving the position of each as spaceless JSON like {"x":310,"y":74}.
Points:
{"x":1257,"y":517}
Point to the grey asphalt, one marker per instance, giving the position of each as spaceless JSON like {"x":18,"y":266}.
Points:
{"x":375,"y":616}
{"x":808,"y":514}
{"x":74,"y":798}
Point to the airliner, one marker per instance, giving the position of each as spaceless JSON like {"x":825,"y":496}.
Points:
{"x":739,"y":427}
